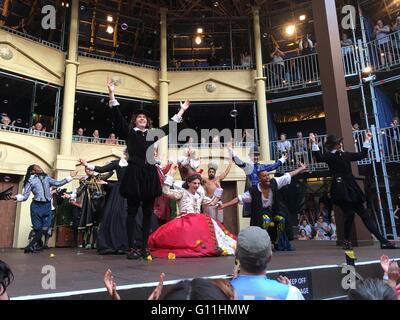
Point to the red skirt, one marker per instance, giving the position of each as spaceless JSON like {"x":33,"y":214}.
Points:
{"x":191,"y":235}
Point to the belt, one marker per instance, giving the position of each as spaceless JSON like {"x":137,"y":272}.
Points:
{"x":36,"y":201}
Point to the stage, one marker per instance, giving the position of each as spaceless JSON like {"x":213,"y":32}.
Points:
{"x":317,"y":266}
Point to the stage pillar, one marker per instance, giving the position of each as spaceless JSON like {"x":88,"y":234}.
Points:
{"x":163,"y":84}
{"x":64,"y":161}
{"x":336,"y":105}
{"x":260,"y":90}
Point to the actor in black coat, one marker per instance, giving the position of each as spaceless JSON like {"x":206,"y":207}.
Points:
{"x":345,"y":191}
{"x":140,"y":184}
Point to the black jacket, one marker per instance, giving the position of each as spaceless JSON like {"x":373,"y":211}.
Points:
{"x":344,"y":188}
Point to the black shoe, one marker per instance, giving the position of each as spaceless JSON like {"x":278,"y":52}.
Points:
{"x":389,"y":245}
{"x":45,"y":247}
{"x":134,"y":254}
{"x":347,"y":245}
{"x":29,"y":249}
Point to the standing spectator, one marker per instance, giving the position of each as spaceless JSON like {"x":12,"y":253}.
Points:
{"x":245,"y":59}
{"x":96,"y":136}
{"x":254,"y":252}
{"x":283,"y":146}
{"x":216,"y":142}
{"x":346,"y":43}
{"x":112,"y":139}
{"x":394,"y":136}
{"x":204,"y":143}
{"x":6,"y":278}
{"x":396,"y":29}
{"x":300,"y":148}
{"x":213,"y":59}
{"x":306,"y":46}
{"x":381,"y":32}
{"x":278,"y":67}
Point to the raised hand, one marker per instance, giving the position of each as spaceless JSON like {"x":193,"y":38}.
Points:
{"x":283,"y":280}
{"x":173,"y":170}
{"x":368,"y":136}
{"x":393,"y":271}
{"x":385,"y":263}
{"x":303,"y":167}
{"x":110,"y":86}
{"x":312,"y":137}
{"x":155,"y":295}
{"x":111,"y":285}
{"x":83,"y":162}
{"x":185,"y":105}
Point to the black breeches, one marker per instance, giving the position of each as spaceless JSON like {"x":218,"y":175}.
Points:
{"x":349,"y":210}
{"x":133,"y":207}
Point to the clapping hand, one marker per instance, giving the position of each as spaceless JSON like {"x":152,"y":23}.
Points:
{"x":283,"y":280}
{"x":155,"y":295}
{"x":368,"y":136}
{"x":385,"y":263}
{"x":111,"y":285}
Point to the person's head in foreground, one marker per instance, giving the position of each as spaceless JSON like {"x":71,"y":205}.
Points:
{"x":200,"y":289}
{"x":6,"y":277}
{"x":254,"y":250}
{"x":372,"y":289}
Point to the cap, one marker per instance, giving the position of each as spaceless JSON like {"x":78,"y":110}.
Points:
{"x":254,"y":150}
{"x":254,"y":242}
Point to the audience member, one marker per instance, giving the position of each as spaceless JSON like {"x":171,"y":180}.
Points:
{"x":283,"y":146}
{"x":213,"y":59}
{"x":278,"y":65}
{"x":322,"y":229}
{"x":372,"y":289}
{"x":381,"y":32}
{"x":306,"y":46}
{"x":6,"y":278}
{"x":303,"y":235}
{"x":304,"y":225}
{"x":254,"y":252}
{"x":245,"y":59}
{"x":96,"y":136}
{"x":112,"y":139}
{"x":332,"y":228}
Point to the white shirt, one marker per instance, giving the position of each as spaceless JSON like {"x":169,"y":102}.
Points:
{"x":266,"y":202}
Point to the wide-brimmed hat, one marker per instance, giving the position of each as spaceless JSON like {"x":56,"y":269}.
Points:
{"x":254,"y":151}
{"x":332,"y":140}
{"x":147,"y":113}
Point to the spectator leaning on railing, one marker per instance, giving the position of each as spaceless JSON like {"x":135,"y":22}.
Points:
{"x":381,"y":32}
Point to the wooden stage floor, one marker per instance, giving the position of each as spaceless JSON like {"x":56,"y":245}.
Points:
{"x":82,"y":270}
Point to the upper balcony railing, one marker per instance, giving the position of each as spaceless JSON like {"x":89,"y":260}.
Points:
{"x":386,"y":142}
{"x":116,"y":60}
{"x":384,"y":53}
{"x":31,"y":132}
{"x":303,"y":71}
{"x":106,"y":141}
{"x":30,"y":37}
